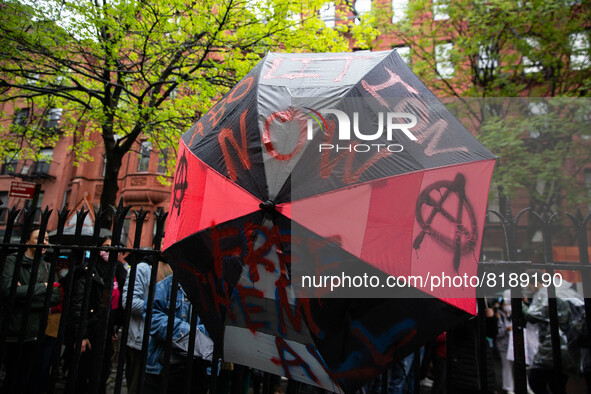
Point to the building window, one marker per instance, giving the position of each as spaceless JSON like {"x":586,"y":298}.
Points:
{"x":125,"y":235}
{"x":529,"y":64}
{"x":3,"y":206}
{"x":52,"y":118}
{"x":445,"y":67}
{"x":294,"y":18}
{"x":60,"y":79}
{"x":399,"y":10}
{"x":255,"y":8}
{"x":487,"y":58}
{"x":174,"y":93}
{"x":493,"y":203}
{"x":328,"y":14}
{"x":162,"y":161}
{"x":42,"y":165}
{"x":21,"y":117}
{"x":362,"y":7}
{"x":25,"y":169}
{"x":404,"y":53}
{"x":579,"y":56}
{"x":32,"y":79}
{"x":66,"y":201}
{"x":145,"y":150}
{"x":538,"y":108}
{"x":439,"y":10}
{"x":9,"y":165}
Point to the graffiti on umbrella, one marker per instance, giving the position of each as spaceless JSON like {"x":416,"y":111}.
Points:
{"x":180,"y":184}
{"x":465,"y":234}
{"x":244,"y":305}
{"x":306,"y":61}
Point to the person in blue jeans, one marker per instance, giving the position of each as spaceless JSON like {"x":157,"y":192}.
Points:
{"x":181,"y":328}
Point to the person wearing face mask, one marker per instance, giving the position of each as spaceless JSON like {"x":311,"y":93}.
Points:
{"x":95,"y":276}
{"x":21,"y":376}
{"x":117,"y":314}
{"x":504,"y":328}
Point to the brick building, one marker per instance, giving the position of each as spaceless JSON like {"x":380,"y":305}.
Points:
{"x":64,"y":185}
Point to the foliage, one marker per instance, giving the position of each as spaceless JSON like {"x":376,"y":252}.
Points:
{"x":543,"y":144}
{"x":503,"y":48}
{"x":132,"y":69}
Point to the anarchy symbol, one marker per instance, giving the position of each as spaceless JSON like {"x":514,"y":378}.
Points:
{"x":180,"y":184}
{"x":466,"y":234}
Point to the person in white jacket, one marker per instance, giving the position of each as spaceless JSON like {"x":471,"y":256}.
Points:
{"x":504,"y":328}
{"x":136,"y":325}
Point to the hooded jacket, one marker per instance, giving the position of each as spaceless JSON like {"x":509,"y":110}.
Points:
{"x":36,"y":311}
{"x":571,"y":320}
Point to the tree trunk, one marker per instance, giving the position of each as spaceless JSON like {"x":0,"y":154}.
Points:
{"x":110,"y":186}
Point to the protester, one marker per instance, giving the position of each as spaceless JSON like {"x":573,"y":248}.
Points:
{"x":181,"y":328}
{"x":19,"y":376}
{"x":96,"y":314}
{"x":544,"y":378}
{"x":136,"y":325}
{"x":504,"y":332}
{"x":463,"y":374}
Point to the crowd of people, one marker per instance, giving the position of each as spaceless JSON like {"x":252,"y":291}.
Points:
{"x":89,"y":317}
{"x":461,"y":373}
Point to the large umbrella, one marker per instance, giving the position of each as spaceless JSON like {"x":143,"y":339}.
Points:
{"x":324,"y":166}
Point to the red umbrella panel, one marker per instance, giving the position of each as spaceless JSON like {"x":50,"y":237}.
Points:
{"x":318,"y":167}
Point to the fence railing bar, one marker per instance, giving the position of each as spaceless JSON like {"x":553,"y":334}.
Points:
{"x":6,"y":245}
{"x":552,"y":303}
{"x":76,"y":257}
{"x":37,"y":261}
{"x":482,"y":347}
{"x":27,"y":224}
{"x":191,"y":352}
{"x":215,"y":362}
{"x":509,"y":225}
{"x":98,"y":379}
{"x":73,"y":369}
{"x":165,"y":375}
{"x":62,"y":216}
{"x":51,"y":275}
{"x":580,"y":224}
{"x":12,"y":215}
{"x":160,"y":218}
{"x":417,"y":371}
{"x":140,"y":218}
{"x":148,"y":322}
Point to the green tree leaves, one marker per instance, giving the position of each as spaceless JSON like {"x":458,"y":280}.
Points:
{"x":126,"y":68}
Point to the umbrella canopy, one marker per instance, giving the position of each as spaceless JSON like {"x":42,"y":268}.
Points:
{"x":316,"y":166}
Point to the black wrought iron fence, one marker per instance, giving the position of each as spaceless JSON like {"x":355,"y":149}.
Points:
{"x":25,"y":309}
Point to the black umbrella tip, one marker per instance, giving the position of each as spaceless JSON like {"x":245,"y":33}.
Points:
{"x":267,"y":205}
